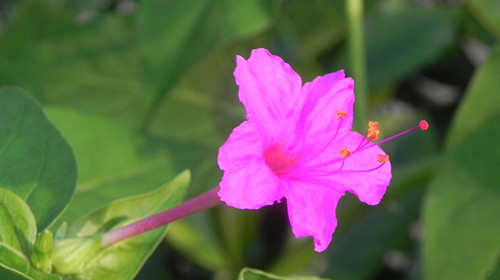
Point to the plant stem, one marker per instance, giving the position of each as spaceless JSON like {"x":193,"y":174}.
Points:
{"x":357,"y":54}
{"x":202,"y":202}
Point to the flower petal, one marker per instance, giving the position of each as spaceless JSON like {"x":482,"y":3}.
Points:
{"x":357,"y":175}
{"x":270,"y":91}
{"x":318,"y":119}
{"x":248,"y":183}
{"x":311,"y":210}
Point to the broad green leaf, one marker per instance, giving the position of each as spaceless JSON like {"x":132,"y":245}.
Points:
{"x":461,"y":224}
{"x":115,"y":161}
{"x":174,"y":35}
{"x":36,"y":162}
{"x":487,"y":11}
{"x":254,"y":274}
{"x":124,"y":259}
{"x":360,"y":251}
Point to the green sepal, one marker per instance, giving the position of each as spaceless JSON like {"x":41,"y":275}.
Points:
{"x":75,"y":255}
{"x":41,"y":256}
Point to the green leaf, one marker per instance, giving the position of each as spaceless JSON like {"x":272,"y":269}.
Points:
{"x":175,"y":35}
{"x":36,"y":161}
{"x":487,"y":11}
{"x":461,"y":225}
{"x":254,"y":274}
{"x":124,"y":259}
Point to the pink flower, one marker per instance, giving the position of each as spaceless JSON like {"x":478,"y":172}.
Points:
{"x":297,"y":144}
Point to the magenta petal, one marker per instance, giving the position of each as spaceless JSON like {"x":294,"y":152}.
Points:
{"x":270,"y":91}
{"x":318,"y":118}
{"x":244,"y":143}
{"x":311,"y":210}
{"x":248,"y":183}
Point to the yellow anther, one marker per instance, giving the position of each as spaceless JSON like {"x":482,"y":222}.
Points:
{"x":382,"y":158}
{"x":341,"y":114}
{"x":373,"y":131}
{"x":344,"y":152}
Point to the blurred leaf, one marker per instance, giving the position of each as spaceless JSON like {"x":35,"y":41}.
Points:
{"x":360,"y":251}
{"x":296,"y":258}
{"x":174,"y":35}
{"x":124,"y":259}
{"x":204,"y":107}
{"x":401,"y":41}
{"x":92,"y":66}
{"x":115,"y":161}
{"x":36,"y":161}
{"x":196,"y":244}
{"x":300,"y":32}
{"x":254,"y":274}
{"x":237,"y":228}
{"x":487,"y":11}
{"x":17,"y":236}
{"x":461,"y":225}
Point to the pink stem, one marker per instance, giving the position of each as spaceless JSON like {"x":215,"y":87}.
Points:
{"x":202,"y":202}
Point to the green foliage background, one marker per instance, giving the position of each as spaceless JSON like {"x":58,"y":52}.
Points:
{"x":142,"y":90}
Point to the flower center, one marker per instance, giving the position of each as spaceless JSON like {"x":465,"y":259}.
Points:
{"x":278,"y":159}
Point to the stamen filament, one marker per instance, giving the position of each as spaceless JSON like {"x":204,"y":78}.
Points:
{"x":329,"y":142}
{"x":302,"y":171}
{"x":361,"y":171}
{"x":423,"y":125}
{"x":397,"y":135}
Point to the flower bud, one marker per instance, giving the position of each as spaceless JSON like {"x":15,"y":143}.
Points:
{"x":74,"y":255}
{"x":41,"y":254}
